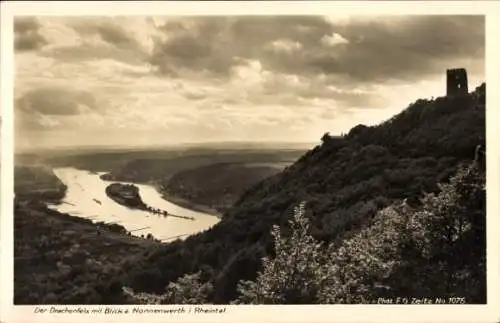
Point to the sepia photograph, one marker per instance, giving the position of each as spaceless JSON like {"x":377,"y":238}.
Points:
{"x":249,"y":160}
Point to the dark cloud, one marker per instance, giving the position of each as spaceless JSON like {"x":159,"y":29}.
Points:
{"x":196,"y":46}
{"x":404,"y":48}
{"x":25,"y":24}
{"x":216,"y":44}
{"x":356,"y":53}
{"x":110,"y":32}
{"x":118,"y":44}
{"x":26,"y":35}
{"x":389,"y":48}
{"x":54,"y":101}
{"x":46,"y":109}
{"x":114,"y":34}
{"x":274,"y":77}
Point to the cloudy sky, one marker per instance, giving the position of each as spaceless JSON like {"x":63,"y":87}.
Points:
{"x":161,"y":80}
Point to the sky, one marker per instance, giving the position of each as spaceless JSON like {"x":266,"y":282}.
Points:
{"x":147,"y":81}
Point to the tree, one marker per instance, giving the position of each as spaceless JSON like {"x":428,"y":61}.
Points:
{"x":290,"y":277}
{"x":449,"y":232}
{"x":305,"y":271}
{"x":326,"y":137}
{"x":188,"y":289}
{"x":441,"y":243}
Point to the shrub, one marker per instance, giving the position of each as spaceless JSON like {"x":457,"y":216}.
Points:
{"x":188,"y":289}
{"x":423,"y":241}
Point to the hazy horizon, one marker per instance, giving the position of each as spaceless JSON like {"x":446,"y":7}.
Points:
{"x":118,"y":82}
{"x":174,"y":146}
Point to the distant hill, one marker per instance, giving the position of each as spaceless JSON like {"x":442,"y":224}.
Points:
{"x":37,"y":182}
{"x":122,"y":161}
{"x":344,"y":181}
{"x":160,"y":169}
{"x":218,"y":186}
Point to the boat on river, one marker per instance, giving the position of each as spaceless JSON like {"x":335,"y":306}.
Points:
{"x":168,"y":220}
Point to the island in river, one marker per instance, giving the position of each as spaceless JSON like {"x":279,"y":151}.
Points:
{"x":126,"y":195}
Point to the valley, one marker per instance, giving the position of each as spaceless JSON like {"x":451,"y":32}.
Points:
{"x":81,"y":202}
{"x":345,"y":182}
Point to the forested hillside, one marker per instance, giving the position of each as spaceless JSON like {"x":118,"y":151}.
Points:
{"x":344,"y":182}
{"x":217,"y":186}
{"x":63,"y":259}
{"x":32,"y":182}
{"x":160,"y":169}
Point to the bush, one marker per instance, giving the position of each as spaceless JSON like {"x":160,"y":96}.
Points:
{"x":423,"y":241}
{"x":186,"y":290}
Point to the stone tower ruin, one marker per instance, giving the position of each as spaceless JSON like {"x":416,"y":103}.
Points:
{"x":456,"y":82}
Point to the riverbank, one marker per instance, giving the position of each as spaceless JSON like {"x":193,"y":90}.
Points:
{"x":128,"y":195}
{"x":64,"y":259}
{"x":218,"y":186}
{"x":160,"y":218}
{"x":188,"y":204}
{"x":37,"y":182}
{"x":169,"y":197}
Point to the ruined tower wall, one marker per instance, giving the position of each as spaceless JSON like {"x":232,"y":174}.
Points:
{"x":456,"y":82}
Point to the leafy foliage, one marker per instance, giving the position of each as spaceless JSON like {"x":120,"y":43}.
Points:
{"x":355,"y":242}
{"x":346,"y":181}
{"x":447,"y":238}
{"x":292,"y":275}
{"x":306,"y":271}
{"x":186,"y":290}
{"x":62,"y":259}
{"x":365,"y":266}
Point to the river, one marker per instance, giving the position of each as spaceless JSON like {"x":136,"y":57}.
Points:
{"x":84,"y":187}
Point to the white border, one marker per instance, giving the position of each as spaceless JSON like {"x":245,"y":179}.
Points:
{"x":311,"y":313}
